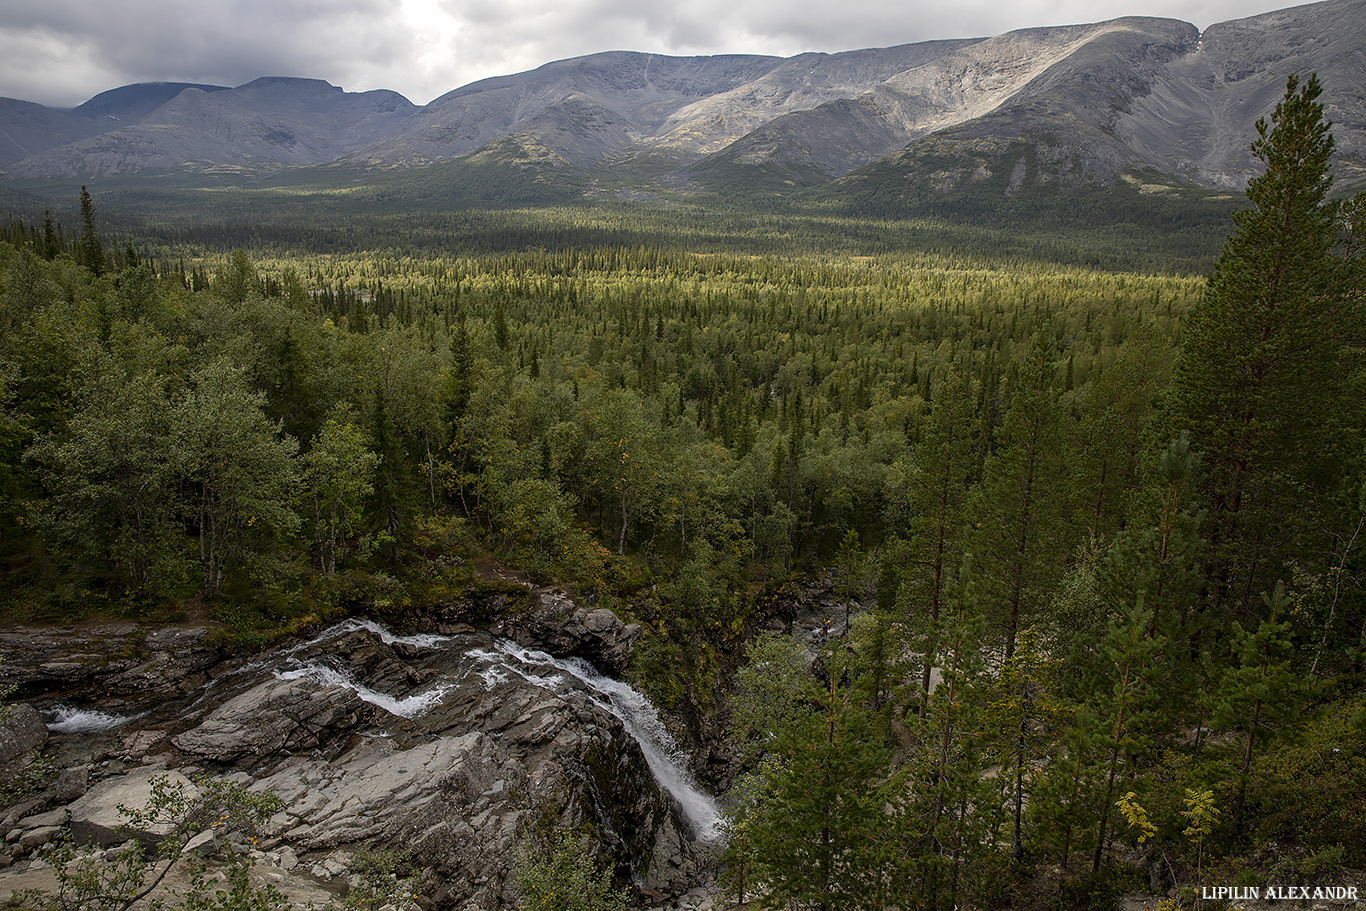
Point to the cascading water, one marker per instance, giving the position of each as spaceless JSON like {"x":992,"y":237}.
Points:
{"x":70,"y":720}
{"x":666,"y":761}
{"x":408,"y":707}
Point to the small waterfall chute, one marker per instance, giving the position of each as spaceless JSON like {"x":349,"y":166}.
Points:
{"x":412,"y":706}
{"x":666,"y":760}
{"x":70,"y":720}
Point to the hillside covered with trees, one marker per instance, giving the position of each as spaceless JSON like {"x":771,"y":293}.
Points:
{"x":1099,"y":531}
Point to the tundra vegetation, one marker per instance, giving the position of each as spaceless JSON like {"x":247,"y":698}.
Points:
{"x":1100,"y":530}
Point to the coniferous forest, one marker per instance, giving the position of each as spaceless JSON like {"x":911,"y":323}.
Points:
{"x":1099,"y":527}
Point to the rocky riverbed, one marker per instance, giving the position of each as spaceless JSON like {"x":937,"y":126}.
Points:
{"x":447,"y":744}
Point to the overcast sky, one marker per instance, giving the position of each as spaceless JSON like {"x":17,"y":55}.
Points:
{"x":61,"y":52}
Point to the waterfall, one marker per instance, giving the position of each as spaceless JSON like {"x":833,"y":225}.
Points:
{"x":666,"y":760}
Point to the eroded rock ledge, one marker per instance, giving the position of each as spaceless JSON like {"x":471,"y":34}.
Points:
{"x":447,"y":746}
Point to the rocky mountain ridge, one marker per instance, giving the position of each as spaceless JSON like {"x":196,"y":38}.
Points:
{"x":1090,"y":104}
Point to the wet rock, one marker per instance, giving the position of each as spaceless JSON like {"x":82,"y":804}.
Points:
{"x":274,"y":715}
{"x":557,"y":625}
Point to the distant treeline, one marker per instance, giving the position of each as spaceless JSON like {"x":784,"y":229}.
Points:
{"x":1099,"y":532}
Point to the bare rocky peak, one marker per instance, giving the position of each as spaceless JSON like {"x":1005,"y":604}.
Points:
{"x":998,"y":85}
{"x":1196,"y":121}
{"x":1097,"y":99}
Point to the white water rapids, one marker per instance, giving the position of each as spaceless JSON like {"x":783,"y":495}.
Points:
{"x":70,"y":720}
{"x":667,"y":762}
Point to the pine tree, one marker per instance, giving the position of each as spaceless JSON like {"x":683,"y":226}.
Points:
{"x":817,"y":833}
{"x":1019,"y":528}
{"x":1261,"y":382}
{"x":944,"y":816}
{"x":1125,"y":704}
{"x":1024,"y":713}
{"x":944,"y":464}
{"x":1263,"y":689}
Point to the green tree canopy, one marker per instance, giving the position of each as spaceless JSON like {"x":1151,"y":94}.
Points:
{"x":1261,"y":382}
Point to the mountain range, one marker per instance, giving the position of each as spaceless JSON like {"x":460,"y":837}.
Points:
{"x":1140,"y":101}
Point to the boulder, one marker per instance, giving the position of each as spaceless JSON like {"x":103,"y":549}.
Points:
{"x":602,"y":622}
{"x":557,"y":625}
{"x":96,"y":818}
{"x":22,"y":735}
{"x":71,"y":783}
{"x":40,"y":836}
{"x":39,"y":820}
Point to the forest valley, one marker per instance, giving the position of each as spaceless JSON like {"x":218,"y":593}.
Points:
{"x":1099,"y":533}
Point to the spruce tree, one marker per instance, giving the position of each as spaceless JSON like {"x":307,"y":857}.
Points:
{"x":51,"y":246}
{"x":91,"y":247}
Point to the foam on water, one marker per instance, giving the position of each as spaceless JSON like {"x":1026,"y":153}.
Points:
{"x":413,"y":706}
{"x":418,"y":640}
{"x":69,"y":720}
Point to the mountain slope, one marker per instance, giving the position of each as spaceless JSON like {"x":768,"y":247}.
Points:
{"x":270,"y":121}
{"x":1196,"y":120}
{"x":1140,"y":99}
{"x":28,"y":129}
{"x":584,"y":108}
{"x":1063,"y":108}
{"x":1083,"y":71}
